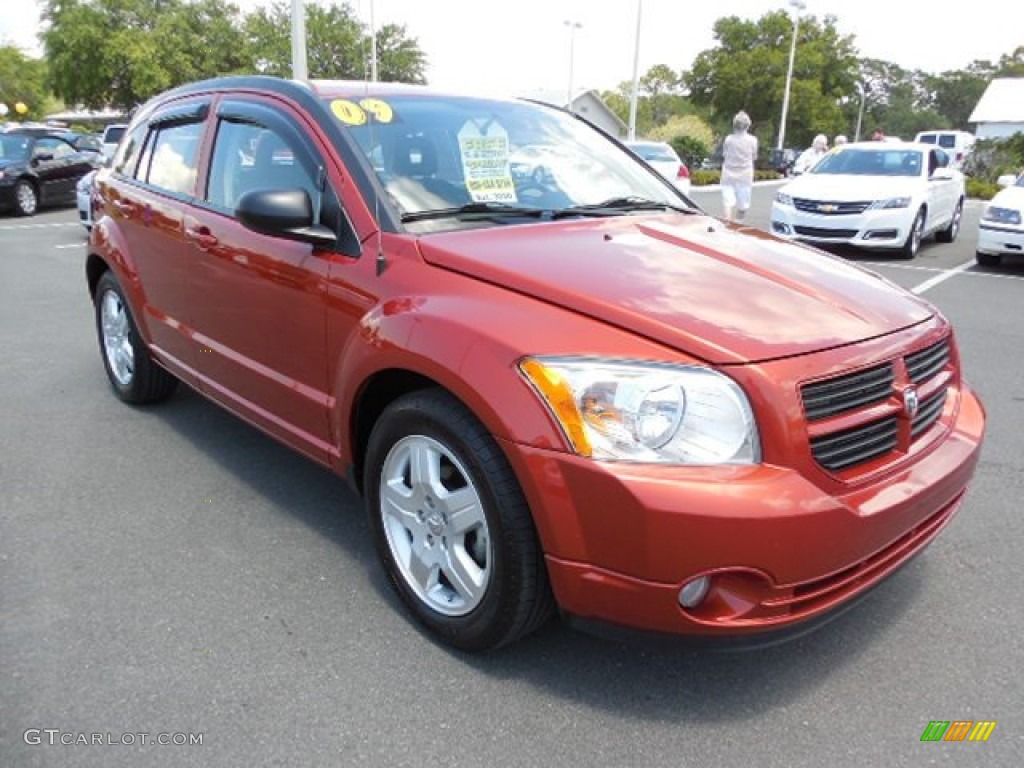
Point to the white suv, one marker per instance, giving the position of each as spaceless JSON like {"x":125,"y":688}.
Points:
{"x":111,"y":136}
{"x":957,"y":144}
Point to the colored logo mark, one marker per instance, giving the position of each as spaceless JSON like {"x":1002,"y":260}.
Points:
{"x":958,"y":730}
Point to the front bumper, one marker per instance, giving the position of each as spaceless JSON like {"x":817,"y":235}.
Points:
{"x":84,"y":208}
{"x":621,"y":540}
{"x":873,"y":229}
{"x":1000,"y":239}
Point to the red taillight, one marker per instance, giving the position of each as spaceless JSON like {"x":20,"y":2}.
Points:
{"x":683,"y":172}
{"x":959,"y":156}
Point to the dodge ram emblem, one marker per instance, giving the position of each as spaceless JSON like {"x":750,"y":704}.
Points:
{"x":910,"y":402}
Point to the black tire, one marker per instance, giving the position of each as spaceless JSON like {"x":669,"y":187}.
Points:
{"x":26,"y":199}
{"x":988,"y":259}
{"x":914,"y":237}
{"x":134,"y":376}
{"x":513,"y":597}
{"x":948,"y":235}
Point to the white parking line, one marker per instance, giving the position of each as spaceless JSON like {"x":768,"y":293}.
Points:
{"x":942,"y":277}
{"x":70,"y":245}
{"x":39,"y":226}
{"x":889,"y":265}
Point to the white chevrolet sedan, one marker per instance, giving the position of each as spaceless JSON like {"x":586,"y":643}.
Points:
{"x":1001,"y":229}
{"x":874,"y":195}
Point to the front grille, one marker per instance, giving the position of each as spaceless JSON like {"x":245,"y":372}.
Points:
{"x":830,"y":207}
{"x":923,"y":365}
{"x":875,"y":398}
{"x":823,"y":399}
{"x":824,"y":232}
{"x":928,"y":413}
{"x":857,"y":445}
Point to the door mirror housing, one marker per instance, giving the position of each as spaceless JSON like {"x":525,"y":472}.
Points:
{"x":42,"y":157}
{"x":286,"y":213}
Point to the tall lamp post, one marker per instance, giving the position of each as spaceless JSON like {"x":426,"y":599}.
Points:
{"x":860,"y":112}
{"x":636,"y":73}
{"x":799,"y":5}
{"x":573,"y":26}
{"x":299,"y":71}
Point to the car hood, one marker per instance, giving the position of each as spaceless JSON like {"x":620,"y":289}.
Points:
{"x":849,"y":188}
{"x":688,"y":281}
{"x":1011,"y":197}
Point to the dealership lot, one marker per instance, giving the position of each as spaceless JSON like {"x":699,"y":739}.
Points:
{"x":170,"y":570}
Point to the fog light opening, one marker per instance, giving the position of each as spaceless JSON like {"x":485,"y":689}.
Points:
{"x":693,"y":592}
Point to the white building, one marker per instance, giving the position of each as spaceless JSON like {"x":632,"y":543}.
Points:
{"x":587,"y":104}
{"x":1000,"y":111}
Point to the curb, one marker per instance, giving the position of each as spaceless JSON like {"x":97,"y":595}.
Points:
{"x":716,"y":187}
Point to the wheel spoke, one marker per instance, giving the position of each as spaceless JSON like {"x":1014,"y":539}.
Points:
{"x":464,"y":510}
{"x":425,"y":467}
{"x":397,"y":504}
{"x":463,"y":573}
{"x":421,"y":571}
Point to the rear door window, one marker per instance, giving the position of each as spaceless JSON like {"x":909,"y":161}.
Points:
{"x":169,"y":160}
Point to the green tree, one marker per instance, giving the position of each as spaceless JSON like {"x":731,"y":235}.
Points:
{"x":121,"y":52}
{"x":337,"y":43}
{"x":747,"y":70}
{"x":22,"y":79}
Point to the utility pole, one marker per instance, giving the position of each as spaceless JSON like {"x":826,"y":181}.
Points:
{"x":636,"y":73}
{"x":299,"y":70}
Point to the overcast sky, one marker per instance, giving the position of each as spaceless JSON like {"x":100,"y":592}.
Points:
{"x":524,"y":44}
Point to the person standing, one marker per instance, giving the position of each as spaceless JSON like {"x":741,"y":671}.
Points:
{"x":812,"y":154}
{"x":839,"y":140}
{"x":739,"y":152}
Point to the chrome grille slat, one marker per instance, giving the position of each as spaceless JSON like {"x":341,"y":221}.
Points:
{"x":855,"y":446}
{"x":847,"y":393}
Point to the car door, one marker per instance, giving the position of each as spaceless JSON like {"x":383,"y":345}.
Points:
{"x":942,"y":187}
{"x":49,"y":164}
{"x":259,"y":300}
{"x":153,"y":179}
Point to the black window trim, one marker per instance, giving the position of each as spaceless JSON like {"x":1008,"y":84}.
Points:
{"x":243,"y":111}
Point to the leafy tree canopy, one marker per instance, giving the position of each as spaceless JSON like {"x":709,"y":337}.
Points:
{"x":23,"y":80}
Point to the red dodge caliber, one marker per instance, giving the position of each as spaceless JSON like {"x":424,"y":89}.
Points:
{"x":558,"y":384}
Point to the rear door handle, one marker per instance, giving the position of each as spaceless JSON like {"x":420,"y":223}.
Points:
{"x":126,"y":207}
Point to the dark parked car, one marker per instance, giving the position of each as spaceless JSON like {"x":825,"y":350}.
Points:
{"x":577,"y":392}
{"x":39,"y":169}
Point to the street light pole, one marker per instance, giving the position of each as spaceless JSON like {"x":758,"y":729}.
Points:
{"x":373,"y":47}
{"x":799,"y":5}
{"x":860,"y":112}
{"x":636,"y":73}
{"x":573,"y":26}
{"x":299,"y":71}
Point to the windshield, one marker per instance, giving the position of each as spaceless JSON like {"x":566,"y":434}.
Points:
{"x":655,"y":152}
{"x":468,"y":156}
{"x":870,"y":162}
{"x":14,"y":147}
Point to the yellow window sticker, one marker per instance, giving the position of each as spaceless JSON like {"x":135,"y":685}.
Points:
{"x":483,"y":145}
{"x":381,"y":110}
{"x":348,"y":112}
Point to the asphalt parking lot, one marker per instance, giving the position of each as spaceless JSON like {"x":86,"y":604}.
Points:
{"x":172,"y":571}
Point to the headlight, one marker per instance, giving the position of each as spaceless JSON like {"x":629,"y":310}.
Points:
{"x":892,"y":202}
{"x":1002,"y":215}
{"x":783,"y":199}
{"x":645,"y":412}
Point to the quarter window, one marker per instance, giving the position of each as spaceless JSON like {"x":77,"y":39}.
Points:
{"x":128,"y":152}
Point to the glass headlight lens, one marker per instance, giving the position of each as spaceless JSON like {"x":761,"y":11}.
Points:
{"x":892,"y":202}
{"x":647,"y":412}
{"x":1002,"y":215}
{"x":783,"y":199}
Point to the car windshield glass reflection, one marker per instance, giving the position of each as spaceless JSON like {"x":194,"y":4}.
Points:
{"x":870,"y":162}
{"x":14,"y":147}
{"x":464,"y":155}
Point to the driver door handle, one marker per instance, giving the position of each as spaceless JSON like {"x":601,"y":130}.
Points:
{"x":202,"y":237}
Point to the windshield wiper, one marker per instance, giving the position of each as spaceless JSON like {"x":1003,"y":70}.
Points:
{"x":615,"y":205}
{"x":476,"y":211}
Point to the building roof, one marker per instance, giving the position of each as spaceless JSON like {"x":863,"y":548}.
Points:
{"x":1002,"y":102}
{"x":559,"y":99}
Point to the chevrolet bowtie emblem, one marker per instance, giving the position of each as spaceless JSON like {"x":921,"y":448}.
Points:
{"x":827,"y":207}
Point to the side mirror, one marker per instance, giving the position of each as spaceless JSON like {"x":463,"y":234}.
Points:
{"x":42,"y":157}
{"x":286,"y":213}
{"x":1008,"y":180}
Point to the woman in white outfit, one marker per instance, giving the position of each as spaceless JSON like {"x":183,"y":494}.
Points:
{"x":739,"y":151}
{"x":812,"y":154}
